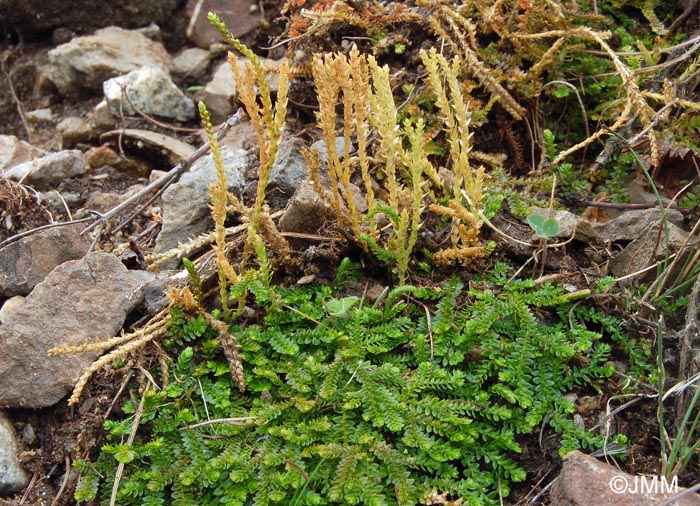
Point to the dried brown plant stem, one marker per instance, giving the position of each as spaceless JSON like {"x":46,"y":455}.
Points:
{"x":11,"y":87}
{"x":156,"y":327}
{"x":635,"y":100}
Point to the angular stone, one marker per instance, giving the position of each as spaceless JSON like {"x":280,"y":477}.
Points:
{"x":74,"y":131}
{"x":288,"y":171}
{"x":12,"y":477}
{"x":47,"y":172}
{"x":631,"y":224}
{"x":192,"y":64}
{"x":79,"y":301}
{"x":240,"y":16}
{"x":649,"y":247}
{"x":569,"y":224}
{"x":151,"y":90}
{"x":26,"y":262}
{"x":220,"y":92}
{"x":14,"y":151}
{"x":306,"y":211}
{"x":186,"y":211}
{"x":585,"y":481}
{"x":83,"y":64}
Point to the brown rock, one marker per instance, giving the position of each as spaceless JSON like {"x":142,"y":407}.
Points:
{"x":648,"y":248}
{"x":74,"y":131}
{"x":585,"y":481}
{"x":306,"y":212}
{"x":26,"y":262}
{"x":85,"y":63}
{"x":80,"y":301}
{"x":240,"y":16}
{"x":14,"y":151}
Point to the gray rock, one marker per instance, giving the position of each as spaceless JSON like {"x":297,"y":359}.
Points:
{"x":26,"y":262}
{"x":240,"y":16}
{"x":9,"y":306}
{"x":288,"y":171}
{"x":74,"y":131}
{"x":220,"y":92}
{"x":569,"y":223}
{"x":322,"y":149}
{"x":14,"y":151}
{"x":102,"y":118}
{"x":584,"y":481}
{"x":40,"y":116}
{"x":152,"y":31}
{"x":12,"y":477}
{"x":83,"y":64}
{"x":306,"y":211}
{"x":151,"y":90}
{"x":47,"y":172}
{"x":186,"y":211}
{"x":631,"y":224}
{"x":649,"y":247}
{"x":192,"y":64}
{"x":79,"y":301}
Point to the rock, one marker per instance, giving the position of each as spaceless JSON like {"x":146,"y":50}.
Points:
{"x":104,"y":156}
{"x":152,"y":31}
{"x":9,"y":306}
{"x":14,"y":151}
{"x":33,"y":17}
{"x":40,"y":116}
{"x":241,"y":136}
{"x":568,"y":222}
{"x":151,"y":90}
{"x":186,"y":211}
{"x":85,"y":63}
{"x":306,"y":211}
{"x":12,"y":477}
{"x":320,"y":146}
{"x":192,"y":64}
{"x":102,"y":118}
{"x":102,"y":202}
{"x":79,"y":301}
{"x":74,"y":131}
{"x":240,"y":16}
{"x":646,"y":249}
{"x":631,"y":224}
{"x":220,"y":92}
{"x":288,"y":171}
{"x":157,"y":145}
{"x":47,"y":172}
{"x":584,"y":481}
{"x":26,"y":262}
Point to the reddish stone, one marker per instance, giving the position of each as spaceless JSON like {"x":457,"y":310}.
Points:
{"x":240,"y":16}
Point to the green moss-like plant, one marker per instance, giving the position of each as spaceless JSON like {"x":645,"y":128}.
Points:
{"x":347,"y":403}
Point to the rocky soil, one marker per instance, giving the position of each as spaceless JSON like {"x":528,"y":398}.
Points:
{"x":98,"y":105}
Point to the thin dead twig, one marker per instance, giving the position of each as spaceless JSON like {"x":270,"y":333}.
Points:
{"x":11,"y":87}
{"x":171,"y":175}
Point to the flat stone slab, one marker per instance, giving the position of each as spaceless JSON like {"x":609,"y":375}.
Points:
{"x":80,"y":301}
